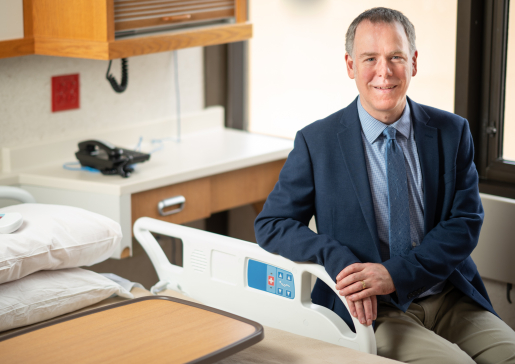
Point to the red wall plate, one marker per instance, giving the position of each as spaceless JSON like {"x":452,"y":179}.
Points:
{"x":65,"y":92}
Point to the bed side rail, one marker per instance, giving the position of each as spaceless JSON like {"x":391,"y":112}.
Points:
{"x":221,"y":272}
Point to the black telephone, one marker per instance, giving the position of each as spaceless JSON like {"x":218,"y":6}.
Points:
{"x":107,"y":158}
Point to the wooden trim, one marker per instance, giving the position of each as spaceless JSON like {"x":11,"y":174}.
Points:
{"x":72,"y":48}
{"x":110,"y":20}
{"x":137,"y":46}
{"x":16,"y":47}
{"x":28,"y":19}
{"x":241,"y":11}
{"x":244,"y":186}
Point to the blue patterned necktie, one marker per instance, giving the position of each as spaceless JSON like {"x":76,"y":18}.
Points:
{"x":398,"y":200}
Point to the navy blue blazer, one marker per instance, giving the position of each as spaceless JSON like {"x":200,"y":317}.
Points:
{"x":325,"y":175}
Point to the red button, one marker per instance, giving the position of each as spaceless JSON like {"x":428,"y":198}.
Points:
{"x":271,"y":280}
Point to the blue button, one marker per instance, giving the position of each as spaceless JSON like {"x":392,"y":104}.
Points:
{"x":288,"y":277}
{"x":280,"y":274}
{"x":279,"y":290}
{"x":288,"y":293}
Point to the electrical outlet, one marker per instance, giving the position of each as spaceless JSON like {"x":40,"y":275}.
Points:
{"x":65,"y":92}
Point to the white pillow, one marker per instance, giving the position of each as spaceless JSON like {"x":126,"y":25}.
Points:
{"x":55,"y":237}
{"x":47,"y":294}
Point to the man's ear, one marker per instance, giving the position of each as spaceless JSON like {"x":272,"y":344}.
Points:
{"x":350,"y":65}
{"x":414,"y":64}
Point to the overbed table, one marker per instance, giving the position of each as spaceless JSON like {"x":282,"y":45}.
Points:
{"x":154,"y":329}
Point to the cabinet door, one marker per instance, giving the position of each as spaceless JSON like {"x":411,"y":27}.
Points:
{"x":11,"y":19}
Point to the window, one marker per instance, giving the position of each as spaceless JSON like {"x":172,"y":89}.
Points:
{"x":494,"y":130}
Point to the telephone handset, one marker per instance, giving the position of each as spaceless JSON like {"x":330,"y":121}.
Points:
{"x":107,"y":158}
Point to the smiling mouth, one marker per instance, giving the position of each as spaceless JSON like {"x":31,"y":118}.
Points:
{"x":385,"y":87}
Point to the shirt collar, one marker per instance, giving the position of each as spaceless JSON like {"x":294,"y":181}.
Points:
{"x":373,"y":128}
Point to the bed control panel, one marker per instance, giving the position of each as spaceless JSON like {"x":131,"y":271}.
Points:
{"x":271,"y":279}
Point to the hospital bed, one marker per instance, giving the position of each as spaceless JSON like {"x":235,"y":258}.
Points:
{"x":240,"y":277}
{"x":232,"y":275}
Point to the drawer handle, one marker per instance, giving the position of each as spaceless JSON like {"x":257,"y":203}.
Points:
{"x":177,"y":17}
{"x":175,"y":200}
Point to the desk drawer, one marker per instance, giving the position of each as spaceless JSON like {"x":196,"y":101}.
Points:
{"x":197,"y":194}
{"x":244,"y":186}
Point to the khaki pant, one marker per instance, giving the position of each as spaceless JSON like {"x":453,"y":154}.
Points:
{"x":444,"y":328}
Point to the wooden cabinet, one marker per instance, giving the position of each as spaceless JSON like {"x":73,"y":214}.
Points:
{"x":212,"y":194}
{"x":86,"y":29}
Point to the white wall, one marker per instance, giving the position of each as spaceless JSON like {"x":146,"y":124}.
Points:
{"x":297,"y":58}
{"x":25,"y":94}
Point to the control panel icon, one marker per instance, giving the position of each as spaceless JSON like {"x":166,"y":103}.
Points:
{"x":270,"y":279}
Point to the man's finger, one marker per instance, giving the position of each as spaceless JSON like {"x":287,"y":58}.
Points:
{"x":353,"y":268}
{"x":362,"y":294}
{"x":367,"y":305}
{"x":352,"y":308}
{"x":374,"y":307}
{"x":353,"y":288}
{"x":360,"y":311}
{"x":348,"y":280}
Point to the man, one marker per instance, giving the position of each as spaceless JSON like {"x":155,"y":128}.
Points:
{"x":394,"y":190}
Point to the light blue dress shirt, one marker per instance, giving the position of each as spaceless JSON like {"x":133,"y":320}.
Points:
{"x":375,"y":147}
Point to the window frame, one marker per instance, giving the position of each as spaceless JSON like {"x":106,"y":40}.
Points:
{"x":480,"y":85}
{"x":493,"y":166}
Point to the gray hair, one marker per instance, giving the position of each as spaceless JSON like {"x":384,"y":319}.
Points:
{"x":380,"y":15}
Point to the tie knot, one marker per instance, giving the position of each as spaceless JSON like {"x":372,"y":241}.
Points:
{"x":389,"y":133}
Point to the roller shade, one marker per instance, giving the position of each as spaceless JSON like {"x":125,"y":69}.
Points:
{"x":147,"y":14}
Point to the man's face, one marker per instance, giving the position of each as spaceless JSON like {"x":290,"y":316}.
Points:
{"x":382,"y":67}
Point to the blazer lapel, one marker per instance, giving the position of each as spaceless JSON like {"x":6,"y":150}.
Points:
{"x":426,"y":138}
{"x":351,"y":146}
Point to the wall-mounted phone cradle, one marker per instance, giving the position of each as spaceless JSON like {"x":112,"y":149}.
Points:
{"x":107,"y":158}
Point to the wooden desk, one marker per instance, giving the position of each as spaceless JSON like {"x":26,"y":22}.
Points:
{"x":154,"y":329}
{"x":213,"y":167}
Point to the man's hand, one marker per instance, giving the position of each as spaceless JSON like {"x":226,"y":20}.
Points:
{"x":362,"y":301}
{"x":364,"y":310}
{"x":375,"y":276}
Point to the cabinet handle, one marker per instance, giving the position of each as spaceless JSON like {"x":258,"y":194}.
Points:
{"x":177,"y":17}
{"x":175,"y":200}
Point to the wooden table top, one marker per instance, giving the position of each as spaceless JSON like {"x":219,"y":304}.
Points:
{"x":154,"y":329}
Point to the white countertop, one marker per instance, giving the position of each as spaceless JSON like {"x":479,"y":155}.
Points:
{"x":200,"y":154}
